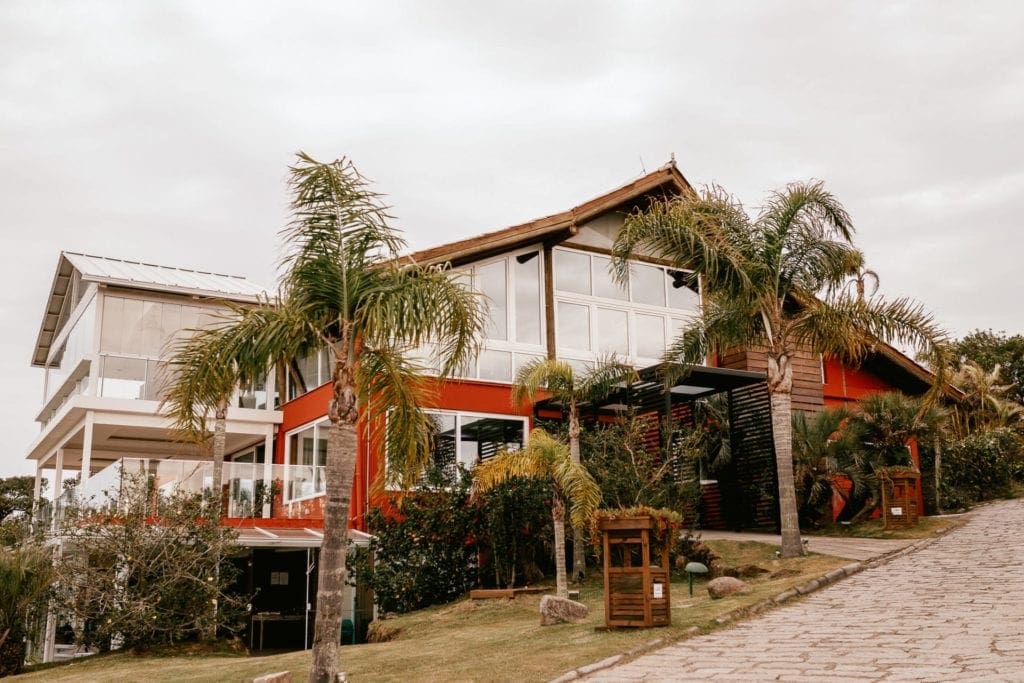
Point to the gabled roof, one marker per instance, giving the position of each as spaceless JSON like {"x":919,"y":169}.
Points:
{"x":667,"y":179}
{"x":135,"y":275}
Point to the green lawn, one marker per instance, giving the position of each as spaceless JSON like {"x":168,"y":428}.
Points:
{"x":492,"y":640}
{"x":872,"y":528}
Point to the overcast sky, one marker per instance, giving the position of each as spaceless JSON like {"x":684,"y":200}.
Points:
{"x":162,"y":131}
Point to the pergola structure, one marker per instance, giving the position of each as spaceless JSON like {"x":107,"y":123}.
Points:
{"x":745,"y":494}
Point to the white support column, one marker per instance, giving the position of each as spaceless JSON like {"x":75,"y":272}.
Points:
{"x":268,"y":472}
{"x":37,"y":490}
{"x":58,"y":485}
{"x":87,"y":449}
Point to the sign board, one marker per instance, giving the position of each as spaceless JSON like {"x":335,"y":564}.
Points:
{"x":659,"y":590}
{"x":896,"y":512}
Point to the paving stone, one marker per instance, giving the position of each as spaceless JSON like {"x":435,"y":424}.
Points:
{"x":948,"y":610}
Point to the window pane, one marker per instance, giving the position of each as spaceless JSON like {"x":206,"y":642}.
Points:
{"x":151,"y":329}
{"x":443,"y":439}
{"x":650,"y":336}
{"x":113,"y":324}
{"x":612,"y":332}
{"x":572,"y":272}
{"x":485,"y":437}
{"x":522,"y":359}
{"x":680,"y":296}
{"x":604,"y":284}
{"x":123,"y":377}
{"x":573,"y":326}
{"x":131,"y":330}
{"x":496,"y":366}
{"x":491,"y":281}
{"x":528,"y":299}
{"x":648,"y":283}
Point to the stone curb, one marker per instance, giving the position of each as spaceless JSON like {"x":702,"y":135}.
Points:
{"x":815,"y":584}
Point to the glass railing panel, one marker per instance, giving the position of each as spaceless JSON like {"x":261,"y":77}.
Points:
{"x":122,"y":377}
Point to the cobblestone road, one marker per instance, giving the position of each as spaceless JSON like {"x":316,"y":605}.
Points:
{"x":951,"y":611}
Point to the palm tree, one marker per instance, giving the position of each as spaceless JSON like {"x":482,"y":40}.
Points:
{"x":570,"y":389}
{"x":985,"y":404}
{"x":546,"y":458}
{"x":762,"y":278}
{"x":203,"y":380}
{"x":344,"y":289}
{"x":883,"y":427}
{"x":822,"y":450}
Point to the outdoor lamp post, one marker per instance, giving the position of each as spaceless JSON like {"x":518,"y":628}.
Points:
{"x":694,"y":568}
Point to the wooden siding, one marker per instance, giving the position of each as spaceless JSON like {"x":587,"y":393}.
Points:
{"x":807,"y":389}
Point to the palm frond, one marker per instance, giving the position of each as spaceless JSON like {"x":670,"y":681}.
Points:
{"x":602,"y":377}
{"x":708,"y":234}
{"x":414,"y":305}
{"x":335,"y":216}
{"x":556,"y":376}
{"x":395,"y":389}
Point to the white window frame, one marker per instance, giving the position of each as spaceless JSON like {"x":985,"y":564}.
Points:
{"x":631,"y":308}
{"x":515,"y":349}
{"x":315,"y":424}
{"x":457,"y":414}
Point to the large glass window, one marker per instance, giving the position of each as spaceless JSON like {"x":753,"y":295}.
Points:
{"x":636,"y":320}
{"x":528,"y":299}
{"x":514,"y":334}
{"x":493,"y":283}
{"x":306,"y":373}
{"x":306,"y":456}
{"x":464,"y":439}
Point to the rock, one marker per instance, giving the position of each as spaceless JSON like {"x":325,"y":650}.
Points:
{"x":279,"y":677}
{"x":726,"y":585}
{"x":555,"y":610}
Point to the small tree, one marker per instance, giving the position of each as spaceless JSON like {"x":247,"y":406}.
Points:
{"x":544,"y":457}
{"x":146,"y":569}
{"x":570,"y":389}
{"x":26,"y":574}
{"x":883,"y":428}
{"x":822,"y":451}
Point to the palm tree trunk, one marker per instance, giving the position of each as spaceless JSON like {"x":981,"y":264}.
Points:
{"x":780,"y":386}
{"x":558,"y":517}
{"x":339,"y":474}
{"x":579,"y":560}
{"x":220,"y":439}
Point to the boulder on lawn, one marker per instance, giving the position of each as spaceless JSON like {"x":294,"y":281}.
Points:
{"x":555,"y":610}
{"x":726,"y":585}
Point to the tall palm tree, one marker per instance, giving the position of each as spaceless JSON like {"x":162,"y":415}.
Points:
{"x":570,"y":389}
{"x":344,"y":289}
{"x":773,"y":282}
{"x":548,"y":459}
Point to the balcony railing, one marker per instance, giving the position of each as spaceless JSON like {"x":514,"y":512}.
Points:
{"x":246,"y":490}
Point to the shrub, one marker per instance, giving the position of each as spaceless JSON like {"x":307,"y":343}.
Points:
{"x":146,"y":569}
{"x":980,"y":466}
{"x":515,"y":534}
{"x":424,"y":546}
{"x":630,"y":473}
{"x":25,"y":577}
